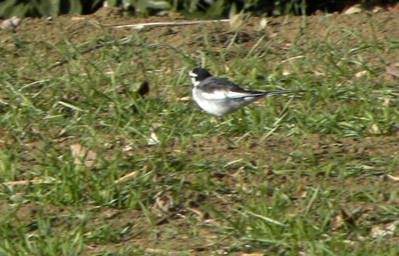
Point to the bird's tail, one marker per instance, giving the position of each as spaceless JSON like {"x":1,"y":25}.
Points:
{"x":283,"y":92}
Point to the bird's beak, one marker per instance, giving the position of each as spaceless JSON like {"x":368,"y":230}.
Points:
{"x":192,"y":75}
{"x":193,"y":79}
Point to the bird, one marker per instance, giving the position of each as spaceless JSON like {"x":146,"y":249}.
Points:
{"x":219,"y":96}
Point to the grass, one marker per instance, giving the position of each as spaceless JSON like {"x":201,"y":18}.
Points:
{"x":282,"y":177}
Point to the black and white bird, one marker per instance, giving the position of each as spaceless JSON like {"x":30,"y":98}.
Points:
{"x":219,"y":97}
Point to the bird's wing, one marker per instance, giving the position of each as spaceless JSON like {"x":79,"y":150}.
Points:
{"x":215,"y":95}
{"x":211,"y":84}
{"x":224,"y":94}
{"x":215,"y":88}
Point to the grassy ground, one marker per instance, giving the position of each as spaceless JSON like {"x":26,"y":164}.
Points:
{"x":308,"y":174}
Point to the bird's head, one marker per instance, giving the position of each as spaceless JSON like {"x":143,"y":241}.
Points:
{"x":197,"y":75}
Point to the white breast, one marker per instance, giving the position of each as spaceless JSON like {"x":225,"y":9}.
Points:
{"x":216,"y":103}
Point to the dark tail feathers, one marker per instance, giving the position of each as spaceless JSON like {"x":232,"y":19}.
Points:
{"x":284,"y":92}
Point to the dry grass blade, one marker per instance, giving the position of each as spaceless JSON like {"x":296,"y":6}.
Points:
{"x":140,"y":26}
{"x":131,"y":175}
{"x":391,"y":177}
{"x":33,"y":182}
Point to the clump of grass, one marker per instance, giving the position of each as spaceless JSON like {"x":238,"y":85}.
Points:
{"x":285,"y":176}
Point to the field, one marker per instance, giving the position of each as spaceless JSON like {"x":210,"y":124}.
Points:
{"x":103,"y":151}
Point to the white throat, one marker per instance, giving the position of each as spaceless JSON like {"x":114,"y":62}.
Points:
{"x":193,"y":78}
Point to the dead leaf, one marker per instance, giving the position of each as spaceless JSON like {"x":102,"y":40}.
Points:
{"x":74,"y":18}
{"x":363,"y":7}
{"x":353,"y":9}
{"x":386,"y":102}
{"x":157,"y":251}
{"x":392,"y":69}
{"x":82,"y":155}
{"x":286,"y":72}
{"x":143,"y":89}
{"x":349,"y":218}
{"x":338,"y":221}
{"x":236,"y":21}
{"x":163,"y":204}
{"x":185,"y":98}
{"x":374,"y":129}
{"x":108,"y":72}
{"x":153,"y":139}
{"x":262,"y":23}
{"x":127,"y":148}
{"x":384,"y":231}
{"x":318,"y":73}
{"x":361,"y":74}
{"x":11,"y":22}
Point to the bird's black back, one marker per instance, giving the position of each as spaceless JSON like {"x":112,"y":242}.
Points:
{"x":213,"y":83}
